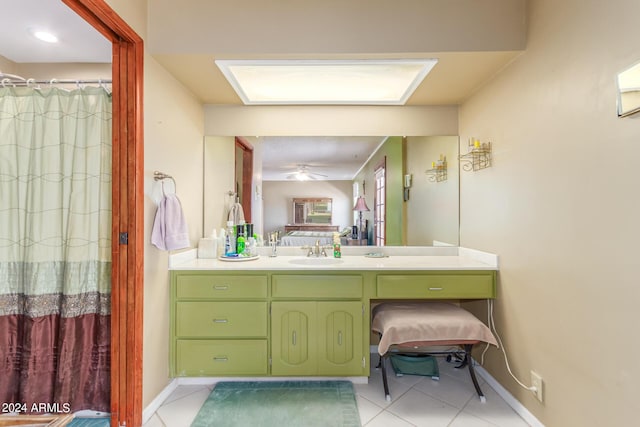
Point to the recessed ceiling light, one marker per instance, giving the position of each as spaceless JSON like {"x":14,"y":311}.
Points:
{"x":45,"y":36}
{"x":374,"y":82}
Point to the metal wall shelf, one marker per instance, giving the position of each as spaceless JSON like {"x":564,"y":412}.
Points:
{"x":478,"y":157}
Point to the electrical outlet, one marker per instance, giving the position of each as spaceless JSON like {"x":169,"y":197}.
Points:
{"x":536,"y":381}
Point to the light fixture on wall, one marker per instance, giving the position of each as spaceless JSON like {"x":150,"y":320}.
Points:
{"x":355,"y":82}
{"x":478,"y":157}
{"x":361,"y":206}
{"x":438,"y":171}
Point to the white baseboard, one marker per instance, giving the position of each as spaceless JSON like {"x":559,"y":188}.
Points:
{"x":508,"y":397}
{"x":213,"y":380}
{"x":156,"y":403}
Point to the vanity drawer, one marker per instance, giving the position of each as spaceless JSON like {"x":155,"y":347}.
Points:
{"x":316,"y":286}
{"x":436,"y":286}
{"x":221,"y":319}
{"x":221,"y":357}
{"x":211,"y":286}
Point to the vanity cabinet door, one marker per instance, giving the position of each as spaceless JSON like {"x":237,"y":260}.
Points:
{"x":293,"y":341}
{"x":316,"y":338}
{"x":340,"y":338}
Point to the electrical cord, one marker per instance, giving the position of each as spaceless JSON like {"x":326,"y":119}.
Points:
{"x":492,"y":327}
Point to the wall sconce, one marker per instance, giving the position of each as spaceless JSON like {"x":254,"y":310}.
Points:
{"x":478,"y":157}
{"x":438,"y":171}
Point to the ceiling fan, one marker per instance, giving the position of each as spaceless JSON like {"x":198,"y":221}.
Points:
{"x":304,"y":174}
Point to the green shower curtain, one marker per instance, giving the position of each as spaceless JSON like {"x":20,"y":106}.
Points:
{"x":55,"y":248}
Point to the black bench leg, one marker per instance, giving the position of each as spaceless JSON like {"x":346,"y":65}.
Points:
{"x":472,"y":372}
{"x":387,"y":395}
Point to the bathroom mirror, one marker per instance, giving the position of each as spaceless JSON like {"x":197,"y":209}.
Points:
{"x":428,"y":216}
{"x":628,"y":83}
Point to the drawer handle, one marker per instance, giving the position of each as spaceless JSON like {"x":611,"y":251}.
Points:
{"x":339,"y":337}
{"x":293,"y":338}
{"x":221,"y":287}
{"x":220,"y":321}
{"x":221,"y":359}
{"x":436,"y":289}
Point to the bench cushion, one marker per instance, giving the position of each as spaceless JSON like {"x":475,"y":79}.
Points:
{"x":428,"y":322}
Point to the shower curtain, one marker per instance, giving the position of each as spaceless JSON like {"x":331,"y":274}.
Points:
{"x":55,"y":249}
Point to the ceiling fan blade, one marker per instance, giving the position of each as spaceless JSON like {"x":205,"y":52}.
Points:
{"x":317,"y":174}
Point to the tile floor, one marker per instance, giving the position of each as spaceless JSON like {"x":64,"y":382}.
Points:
{"x":416,"y":401}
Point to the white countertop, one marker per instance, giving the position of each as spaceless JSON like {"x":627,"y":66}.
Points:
{"x":427,"y":258}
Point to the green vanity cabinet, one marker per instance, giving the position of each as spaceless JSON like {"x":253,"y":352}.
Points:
{"x":219,"y":324}
{"x":317,"y":338}
{"x":236,"y":322}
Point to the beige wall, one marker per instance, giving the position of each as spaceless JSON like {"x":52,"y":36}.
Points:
{"x":173,"y":144}
{"x":560,"y":206}
{"x":6,"y":66}
{"x":173,"y":124}
{"x":329,"y":120}
{"x":219,"y":180}
{"x":432,"y":208}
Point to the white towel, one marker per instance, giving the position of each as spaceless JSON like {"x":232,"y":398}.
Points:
{"x":236,"y":214}
{"x":169,"y":226}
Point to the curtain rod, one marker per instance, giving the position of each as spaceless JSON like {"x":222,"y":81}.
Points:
{"x":12,"y":79}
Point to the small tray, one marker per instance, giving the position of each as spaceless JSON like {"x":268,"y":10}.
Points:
{"x":238,"y":258}
{"x":375,"y":255}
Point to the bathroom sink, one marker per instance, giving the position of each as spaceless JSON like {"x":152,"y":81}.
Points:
{"x":316,"y":261}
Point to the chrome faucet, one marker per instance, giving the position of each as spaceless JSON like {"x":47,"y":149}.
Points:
{"x":316,"y":250}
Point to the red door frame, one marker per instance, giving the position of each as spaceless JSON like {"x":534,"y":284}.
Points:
{"x":127,"y":209}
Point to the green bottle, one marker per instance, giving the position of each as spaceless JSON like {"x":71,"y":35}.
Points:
{"x":240,"y":239}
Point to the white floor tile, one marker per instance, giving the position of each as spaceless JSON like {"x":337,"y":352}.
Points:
{"x":184,"y":390}
{"x":367,"y":409}
{"x":448,"y":389}
{"x":374,"y":390}
{"x":181,"y":412}
{"x":422,"y":410}
{"x":417,"y":401}
{"x":467,"y":420}
{"x":154,"y":421}
{"x":494,"y":410}
{"x":386,"y":419}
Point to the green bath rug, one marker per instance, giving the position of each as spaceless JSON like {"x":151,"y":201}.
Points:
{"x":89,"y":422}
{"x":280,"y":404}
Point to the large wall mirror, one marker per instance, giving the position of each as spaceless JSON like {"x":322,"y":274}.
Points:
{"x":420,"y":211}
{"x":628,"y":82}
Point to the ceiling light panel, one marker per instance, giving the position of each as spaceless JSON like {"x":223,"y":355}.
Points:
{"x":371,"y":82}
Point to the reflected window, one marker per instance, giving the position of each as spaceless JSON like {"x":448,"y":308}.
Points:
{"x":379,"y":200}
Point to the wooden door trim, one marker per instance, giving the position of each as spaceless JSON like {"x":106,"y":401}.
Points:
{"x":247,"y":175}
{"x":127,"y":209}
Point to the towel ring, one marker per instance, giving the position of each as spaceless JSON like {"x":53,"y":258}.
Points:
{"x":161,"y":176}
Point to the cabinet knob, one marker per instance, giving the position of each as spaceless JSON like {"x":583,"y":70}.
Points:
{"x":339,"y":337}
{"x":221,"y":287}
{"x":220,"y":320}
{"x":220,"y":359}
{"x":435,"y":289}
{"x":293,"y":338}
